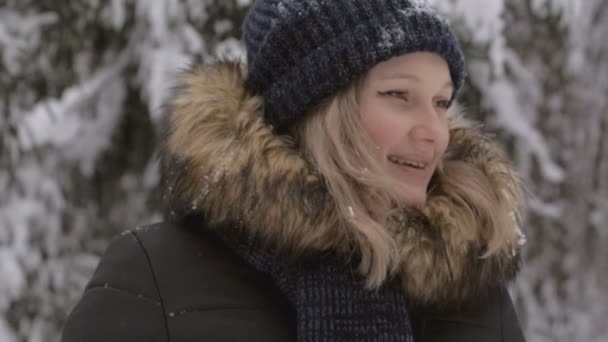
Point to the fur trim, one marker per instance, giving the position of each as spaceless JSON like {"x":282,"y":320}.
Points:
{"x":222,"y":161}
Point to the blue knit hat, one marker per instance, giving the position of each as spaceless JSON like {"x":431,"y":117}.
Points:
{"x":301,"y":51}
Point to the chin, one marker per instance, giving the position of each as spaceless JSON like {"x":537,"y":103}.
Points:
{"x":415,"y":201}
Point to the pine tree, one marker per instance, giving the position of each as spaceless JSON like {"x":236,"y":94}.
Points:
{"x":82,"y":85}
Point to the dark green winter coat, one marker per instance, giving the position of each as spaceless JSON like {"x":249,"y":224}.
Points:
{"x":225,"y":169}
{"x":170,"y":282}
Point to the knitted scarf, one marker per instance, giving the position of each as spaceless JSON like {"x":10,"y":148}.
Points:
{"x":330,"y":304}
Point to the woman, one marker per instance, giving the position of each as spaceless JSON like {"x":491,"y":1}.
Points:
{"x":327,"y":193}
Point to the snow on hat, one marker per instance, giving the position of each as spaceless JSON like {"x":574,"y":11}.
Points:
{"x":301,"y":51}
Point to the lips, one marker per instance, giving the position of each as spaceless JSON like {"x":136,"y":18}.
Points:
{"x":413,"y":162}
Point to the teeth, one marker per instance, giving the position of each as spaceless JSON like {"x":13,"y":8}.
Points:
{"x":406,"y":162}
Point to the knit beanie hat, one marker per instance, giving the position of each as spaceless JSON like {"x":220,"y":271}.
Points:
{"x":301,"y":51}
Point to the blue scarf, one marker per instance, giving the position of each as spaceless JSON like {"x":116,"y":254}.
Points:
{"x":331,"y":304}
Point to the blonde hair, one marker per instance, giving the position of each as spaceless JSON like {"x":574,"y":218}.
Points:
{"x":366,"y":195}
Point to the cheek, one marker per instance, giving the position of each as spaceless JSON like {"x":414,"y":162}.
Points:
{"x":381,"y":128}
{"x":443,"y":141}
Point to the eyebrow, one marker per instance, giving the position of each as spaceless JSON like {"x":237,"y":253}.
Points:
{"x":394,"y":76}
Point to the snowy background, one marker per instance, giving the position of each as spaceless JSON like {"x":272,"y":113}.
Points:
{"x":82,"y":83}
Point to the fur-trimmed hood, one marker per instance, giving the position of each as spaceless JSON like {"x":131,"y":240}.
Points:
{"x":221,"y":160}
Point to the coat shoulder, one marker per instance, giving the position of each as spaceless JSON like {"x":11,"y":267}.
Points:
{"x":187,"y":259}
{"x":491,"y":317}
{"x":194,"y":286}
{"x":121,"y":301}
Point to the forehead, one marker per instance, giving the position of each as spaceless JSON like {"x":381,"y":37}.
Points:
{"x":413,"y":67}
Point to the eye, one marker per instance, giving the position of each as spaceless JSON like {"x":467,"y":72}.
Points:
{"x":443,"y":104}
{"x":400,"y":94}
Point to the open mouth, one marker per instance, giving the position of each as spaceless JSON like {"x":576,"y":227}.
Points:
{"x":409,"y":163}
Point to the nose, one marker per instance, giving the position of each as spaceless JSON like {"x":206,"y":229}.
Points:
{"x":429,"y":125}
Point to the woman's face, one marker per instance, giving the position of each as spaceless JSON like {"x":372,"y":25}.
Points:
{"x":403,"y":106}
